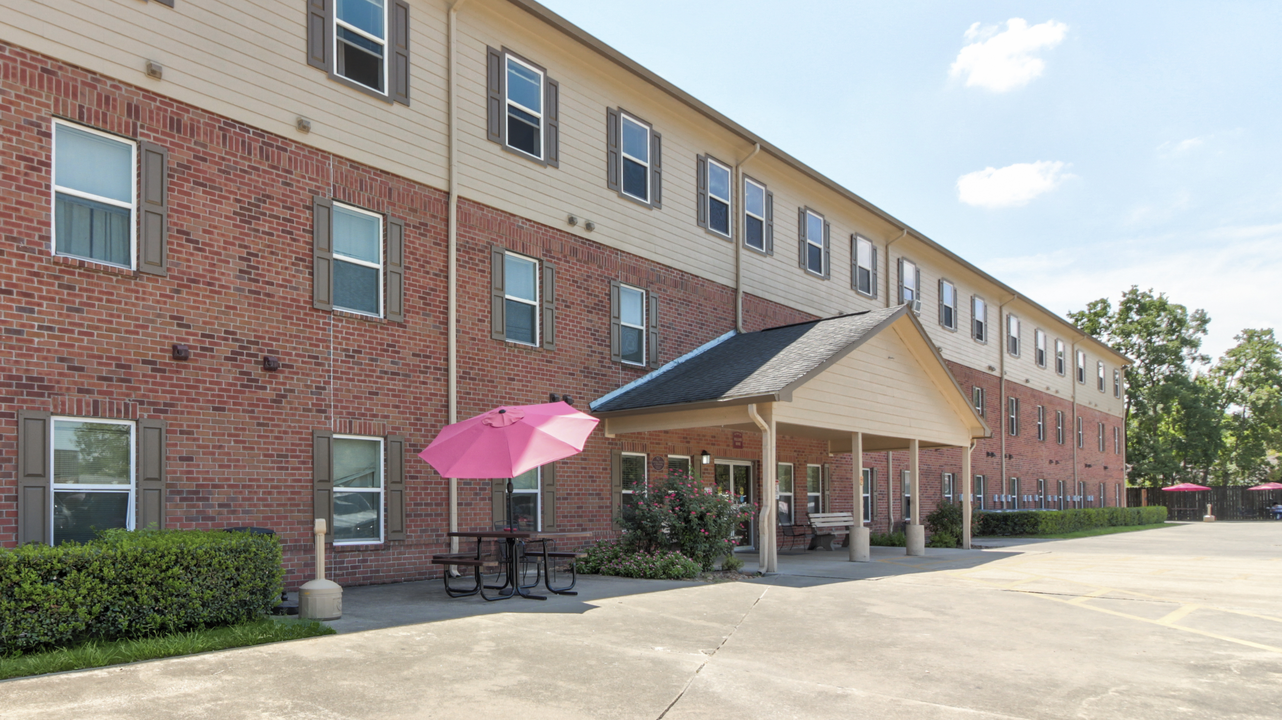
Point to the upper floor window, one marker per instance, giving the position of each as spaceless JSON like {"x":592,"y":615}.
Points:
{"x":522,"y":111}
{"x":93,"y":186}
{"x":1012,"y":335}
{"x":714,"y":196}
{"x":1041,"y":422}
{"x":1081,"y":367}
{"x":1101,"y":437}
{"x":910,"y":284}
{"x":813,"y":231}
{"x":634,"y":333}
{"x":363,"y":44}
{"x":1039,"y":344}
{"x":521,"y":298}
{"x":977,"y":399}
{"x":865,"y":270}
{"x":1117,"y":440}
{"x":758,"y":212}
{"x":524,"y":107}
{"x":979,"y":319}
{"x":1081,"y":436}
{"x":1117,"y":382}
{"x":1061,"y":365}
{"x":636,"y":152}
{"x":1012,"y":411}
{"x":358,"y":260}
{"x":1099,"y":372}
{"x":948,"y":304}
{"x":360,"y":42}
{"x":1059,"y":427}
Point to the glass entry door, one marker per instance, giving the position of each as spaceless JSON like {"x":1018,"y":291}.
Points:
{"x":734,"y":478}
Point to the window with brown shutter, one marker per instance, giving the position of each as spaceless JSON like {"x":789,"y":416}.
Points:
{"x":151,"y":474}
{"x":549,"y":306}
{"x":634,"y":158}
{"x":35,"y":477}
{"x":323,"y":479}
{"x":364,"y":50}
{"x":652,"y":319}
{"x":522,"y":107}
{"x":153,"y":231}
{"x":758,"y":216}
{"x":394,"y":270}
{"x":367,"y":276}
{"x":395,"y":487}
{"x":547,"y":489}
{"x":616,"y":487}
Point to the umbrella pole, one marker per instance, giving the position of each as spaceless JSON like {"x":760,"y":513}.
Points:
{"x":511,"y":515}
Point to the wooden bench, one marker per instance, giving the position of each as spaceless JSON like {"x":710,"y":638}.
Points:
{"x":825,"y":527}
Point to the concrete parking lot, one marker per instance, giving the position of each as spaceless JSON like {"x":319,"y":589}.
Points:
{"x":1176,"y":622}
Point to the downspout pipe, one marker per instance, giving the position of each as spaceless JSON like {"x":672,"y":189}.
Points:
{"x":1004,"y":407}
{"x":451,"y":341}
{"x":740,"y":225}
{"x":902,"y":235}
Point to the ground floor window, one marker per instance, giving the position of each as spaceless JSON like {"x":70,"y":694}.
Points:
{"x":906,"y":483}
{"x":948,"y":487}
{"x":358,"y":490}
{"x":979,"y":492}
{"x":635,"y":484}
{"x":869,"y":474}
{"x":1015,"y":497}
{"x":785,"y":493}
{"x":93,"y":477}
{"x":1041,"y":494}
{"x":814,"y":489}
{"x":1103,"y":499}
{"x":678,"y":465}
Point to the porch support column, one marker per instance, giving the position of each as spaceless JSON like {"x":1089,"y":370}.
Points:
{"x":767,"y":553}
{"x":859,"y":535}
{"x":914,"y":533}
{"x":967,"y":489}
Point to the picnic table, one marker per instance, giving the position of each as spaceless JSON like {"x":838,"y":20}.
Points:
{"x":513,"y":552}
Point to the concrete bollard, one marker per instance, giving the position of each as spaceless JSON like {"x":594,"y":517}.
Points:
{"x":859,"y":544}
{"x":1208,"y":517}
{"x":916,"y":539}
{"x":320,"y":599}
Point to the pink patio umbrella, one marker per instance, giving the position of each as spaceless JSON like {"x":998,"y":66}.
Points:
{"x":1185,"y":487}
{"x":507,"y":441}
{"x":1267,"y":486}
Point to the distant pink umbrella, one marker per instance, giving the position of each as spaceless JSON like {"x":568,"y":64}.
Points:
{"x":1185,"y":487}
{"x":1267,"y":486}
{"x":508,"y":441}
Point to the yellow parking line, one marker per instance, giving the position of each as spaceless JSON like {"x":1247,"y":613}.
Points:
{"x":1177,"y":614}
{"x":1215,"y":636}
{"x":1081,"y":599}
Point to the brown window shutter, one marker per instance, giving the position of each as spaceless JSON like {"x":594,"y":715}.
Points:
{"x":549,"y":306}
{"x":917,"y":290}
{"x":656,"y":169}
{"x":701,"y":175}
{"x":899,"y":299}
{"x":552,"y":116}
{"x":153,"y":256}
{"x":873,"y":280}
{"x":770,"y":223}
{"x":498,"y":295}
{"x":318,"y":33}
{"x":498,"y":502}
{"x":400,"y":32}
{"x":494,"y":108}
{"x":616,"y":344}
{"x":801,"y":237}
{"x":322,"y":254}
{"x":35,"y":478}
{"x":652,"y":320}
{"x":395,"y":270}
{"x":151,"y":474}
{"x":827,"y":250}
{"x":395,"y":487}
{"x":613,"y":160}
{"x":940,"y":285}
{"x":548,"y":490}
{"x":323,"y":479}
{"x":616,"y":487}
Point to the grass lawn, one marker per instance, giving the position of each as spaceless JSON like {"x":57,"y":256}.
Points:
{"x":1092,"y":532}
{"x":96,"y":653}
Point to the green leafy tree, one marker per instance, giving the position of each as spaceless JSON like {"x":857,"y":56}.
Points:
{"x":1248,"y":378}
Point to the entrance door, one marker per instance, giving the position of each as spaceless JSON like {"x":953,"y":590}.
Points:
{"x":734,"y":478}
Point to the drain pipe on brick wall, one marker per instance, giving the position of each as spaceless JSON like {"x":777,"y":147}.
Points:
{"x":1002,"y":403}
{"x":739,"y":238}
{"x":451,"y":341}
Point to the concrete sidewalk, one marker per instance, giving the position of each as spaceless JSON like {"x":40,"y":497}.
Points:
{"x":1177,"y":622}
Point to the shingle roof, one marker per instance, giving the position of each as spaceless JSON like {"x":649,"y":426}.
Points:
{"x":748,"y":364}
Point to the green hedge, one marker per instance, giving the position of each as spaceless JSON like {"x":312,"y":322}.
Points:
{"x":134,"y":584}
{"x":1054,"y":522}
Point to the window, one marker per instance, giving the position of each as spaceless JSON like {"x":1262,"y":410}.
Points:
{"x":758,"y":211}
{"x":1060,"y":367}
{"x":631,"y":325}
{"x":1081,"y":367}
{"x":1102,"y":497}
{"x":910,"y":284}
{"x":813,"y":232}
{"x":977,"y":399}
{"x":948,"y":486}
{"x":634,"y":153}
{"x":1041,"y":422}
{"x":634,"y":485}
{"x":93,"y":477}
{"x":358,"y":490}
{"x":1012,"y":415}
{"x":1081,"y":437}
{"x":636,"y":158}
{"x":714,"y":196}
{"x":679,"y":465}
{"x":363,"y":44}
{"x":93,"y":195}
{"x":1012,"y":335}
{"x":1041,"y":494}
{"x":360,"y":42}
{"x":979,"y":319}
{"x":1059,"y":427}
{"x":521,"y":299}
{"x":1099,"y":375}
{"x":905,"y":481}
{"x":947,"y":305}
{"x":785,"y":494}
{"x":814,"y":489}
{"x":1117,"y":440}
{"x":524,"y":107}
{"x":1080,"y":499}
{"x":1101,"y":437}
{"x":865,"y":270}
{"x":358,"y":261}
{"x":1117,"y":495}
{"x":1015,"y":497}
{"x":979,"y":489}
{"x":1039,"y":343}
{"x":1117,"y":382}
{"x":869,"y":474}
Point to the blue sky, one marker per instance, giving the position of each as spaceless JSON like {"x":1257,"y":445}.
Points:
{"x":1071,"y":149}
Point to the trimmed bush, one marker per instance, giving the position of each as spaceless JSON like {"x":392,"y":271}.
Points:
{"x":614,"y":557}
{"x":682,"y":514}
{"x":943,"y":539}
{"x":891,"y":539}
{"x":1055,"y":522}
{"x":137,"y":584}
{"x":946,"y":523}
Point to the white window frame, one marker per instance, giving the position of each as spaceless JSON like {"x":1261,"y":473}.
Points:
{"x":1012,"y":335}
{"x":1100,"y":375}
{"x":1059,"y":497}
{"x":642,"y":327}
{"x":382,"y":274}
{"x":508,"y":102}
{"x":1081,"y":433}
{"x":1102,"y":446}
{"x":762,"y":217}
{"x":823,"y":259}
{"x":1015,"y":498}
{"x":978,"y":486}
{"x":625,"y":118}
{"x":1117,"y":440}
{"x":1117,"y":383}
{"x":1039,"y":347}
{"x":1117,"y":495}
{"x":1059,"y":427}
{"x":537,"y":492}
{"x":537,"y":302}
{"x":905,"y":286}
{"x":944,"y":304}
{"x":1041,"y":422}
{"x":387,"y":80}
{"x":1101,"y":498}
{"x":1081,"y":367}
{"x":645,"y":481}
{"x":727,"y":200}
{"x":979,"y":319}
{"x":792,"y":494}
{"x":55,"y":487}
{"x":689,"y":462}
{"x":906,"y":498}
{"x":819,"y":494}
{"x":1012,"y":416}
{"x":132,"y":206}
{"x":949,"y":483}
{"x":382,"y":490}
{"x":1041,"y":493}
{"x":978,"y":399}
{"x":1061,"y":362}
{"x":861,"y":243}
{"x":868,"y":476}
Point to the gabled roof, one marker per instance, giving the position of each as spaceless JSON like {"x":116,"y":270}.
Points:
{"x":766,"y":365}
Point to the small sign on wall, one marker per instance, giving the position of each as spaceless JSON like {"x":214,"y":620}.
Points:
{"x":737,"y":440}
{"x":658,"y":463}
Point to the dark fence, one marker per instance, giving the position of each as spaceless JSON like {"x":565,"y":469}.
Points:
{"x":1234,"y":502}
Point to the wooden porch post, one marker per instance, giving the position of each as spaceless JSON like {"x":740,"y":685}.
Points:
{"x":859,"y":551}
{"x":914,"y":533}
{"x":967,"y":489}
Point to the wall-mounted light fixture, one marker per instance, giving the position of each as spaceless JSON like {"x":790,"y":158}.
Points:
{"x":181,"y":353}
{"x":572,"y":220}
{"x":155,"y":69}
{"x":303,"y":124}
{"x":270,"y":363}
{"x":705,"y":457}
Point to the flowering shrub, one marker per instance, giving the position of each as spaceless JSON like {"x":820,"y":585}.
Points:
{"x":612,"y":557}
{"x":684,"y":515}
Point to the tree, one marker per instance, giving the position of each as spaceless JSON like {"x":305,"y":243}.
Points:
{"x":1171,"y":427}
{"x":1249,"y":379}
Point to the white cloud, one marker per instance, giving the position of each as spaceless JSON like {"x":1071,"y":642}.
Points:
{"x":1002,"y":61}
{"x":1172,"y":149}
{"x":1010,"y":186}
